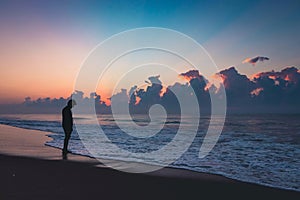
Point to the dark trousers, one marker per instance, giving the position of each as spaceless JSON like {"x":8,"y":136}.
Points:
{"x":66,"y":140}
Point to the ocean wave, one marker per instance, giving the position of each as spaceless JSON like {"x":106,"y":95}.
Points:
{"x":251,"y":154}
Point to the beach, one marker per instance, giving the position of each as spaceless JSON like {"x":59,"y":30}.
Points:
{"x":31,"y":170}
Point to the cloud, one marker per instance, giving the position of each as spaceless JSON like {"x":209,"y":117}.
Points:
{"x":269,"y":91}
{"x":192,"y":74}
{"x":289,"y":74}
{"x":254,"y":60}
{"x":154,"y":80}
{"x":142,"y":99}
{"x":238,"y":87}
{"x":119,"y":101}
{"x":232,"y":79}
{"x":196,"y":80}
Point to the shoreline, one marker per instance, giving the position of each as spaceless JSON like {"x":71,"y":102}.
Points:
{"x":23,"y":147}
{"x":39,"y":150}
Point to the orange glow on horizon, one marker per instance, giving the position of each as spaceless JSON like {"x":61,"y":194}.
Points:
{"x":105,"y":96}
{"x":138,"y":99}
{"x":162,"y":91}
{"x":185,"y":78}
{"x":247,"y":60}
{"x":256,"y":91}
{"x":39,"y":62}
{"x":287,"y":78}
{"x":208,"y":85}
{"x":255,"y":76}
{"x":221,"y":77}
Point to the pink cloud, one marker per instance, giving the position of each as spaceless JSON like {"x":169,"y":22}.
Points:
{"x":254,"y":60}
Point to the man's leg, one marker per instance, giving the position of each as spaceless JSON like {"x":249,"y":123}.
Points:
{"x":66,"y":142}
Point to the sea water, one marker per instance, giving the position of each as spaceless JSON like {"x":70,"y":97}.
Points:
{"x":262,"y":149}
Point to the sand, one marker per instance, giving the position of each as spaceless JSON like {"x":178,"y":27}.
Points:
{"x":31,"y":170}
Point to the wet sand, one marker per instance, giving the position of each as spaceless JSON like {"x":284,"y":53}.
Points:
{"x":31,"y":170}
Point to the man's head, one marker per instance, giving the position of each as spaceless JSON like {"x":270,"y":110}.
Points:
{"x":72,"y":103}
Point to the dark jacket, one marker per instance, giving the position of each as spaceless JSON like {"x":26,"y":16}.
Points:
{"x":67,"y":119}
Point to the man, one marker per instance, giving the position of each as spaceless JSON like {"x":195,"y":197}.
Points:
{"x":67,"y":124}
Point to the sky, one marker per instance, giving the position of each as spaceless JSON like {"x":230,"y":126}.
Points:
{"x":44,"y":43}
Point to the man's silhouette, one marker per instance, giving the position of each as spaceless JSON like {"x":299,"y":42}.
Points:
{"x":67,"y":124}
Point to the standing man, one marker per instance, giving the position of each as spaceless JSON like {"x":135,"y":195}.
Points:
{"x":67,"y":124}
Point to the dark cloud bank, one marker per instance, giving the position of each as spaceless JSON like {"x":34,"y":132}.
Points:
{"x":266,"y":92}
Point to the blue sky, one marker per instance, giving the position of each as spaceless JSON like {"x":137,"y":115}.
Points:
{"x":229,"y":30}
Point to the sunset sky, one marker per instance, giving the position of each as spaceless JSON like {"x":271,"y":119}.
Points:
{"x":43,"y":43}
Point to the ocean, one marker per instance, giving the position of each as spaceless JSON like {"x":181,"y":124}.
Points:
{"x":262,"y":149}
